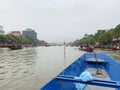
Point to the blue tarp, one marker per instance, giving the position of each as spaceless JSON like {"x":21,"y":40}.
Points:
{"x":85,"y":76}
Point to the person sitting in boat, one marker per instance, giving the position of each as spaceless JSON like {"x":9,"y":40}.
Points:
{"x":118,"y":47}
{"x":87,"y":47}
{"x":19,"y":45}
{"x":91,"y":47}
{"x":14,"y":44}
{"x":83,"y":48}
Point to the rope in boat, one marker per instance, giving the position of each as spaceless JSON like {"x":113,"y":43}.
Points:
{"x":99,"y":73}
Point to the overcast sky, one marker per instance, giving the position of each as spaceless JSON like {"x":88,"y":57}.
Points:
{"x":59,"y":20}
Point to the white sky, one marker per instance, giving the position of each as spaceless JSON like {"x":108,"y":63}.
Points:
{"x":59,"y":20}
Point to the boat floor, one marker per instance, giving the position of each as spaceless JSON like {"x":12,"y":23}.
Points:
{"x":92,"y":87}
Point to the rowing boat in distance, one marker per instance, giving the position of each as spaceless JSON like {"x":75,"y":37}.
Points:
{"x":15,"y":46}
{"x":104,"y":70}
{"x":86,"y":48}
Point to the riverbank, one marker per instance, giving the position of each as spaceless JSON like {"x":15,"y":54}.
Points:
{"x":112,"y":53}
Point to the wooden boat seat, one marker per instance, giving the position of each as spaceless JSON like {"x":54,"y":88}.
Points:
{"x":93,"y":60}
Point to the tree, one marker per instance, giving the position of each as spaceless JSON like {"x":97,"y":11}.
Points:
{"x":76,"y":43}
{"x":117,"y":31}
{"x":10,"y":37}
{"x":102,"y":36}
{"x":99,"y":32}
{"x":105,"y":38}
{"x":2,"y":38}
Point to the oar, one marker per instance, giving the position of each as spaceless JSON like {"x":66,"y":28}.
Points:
{"x":96,"y":61}
{"x":112,"y":84}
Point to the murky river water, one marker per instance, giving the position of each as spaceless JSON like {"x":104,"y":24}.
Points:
{"x":31,"y":68}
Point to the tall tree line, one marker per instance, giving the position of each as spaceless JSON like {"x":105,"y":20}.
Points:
{"x":8,"y":38}
{"x":103,"y":37}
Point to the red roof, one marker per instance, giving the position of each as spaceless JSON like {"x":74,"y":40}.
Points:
{"x":16,"y":33}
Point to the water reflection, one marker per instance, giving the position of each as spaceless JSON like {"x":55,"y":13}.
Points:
{"x":64,"y":56}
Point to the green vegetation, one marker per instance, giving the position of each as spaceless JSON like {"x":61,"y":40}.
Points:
{"x":8,"y":38}
{"x":104,"y":37}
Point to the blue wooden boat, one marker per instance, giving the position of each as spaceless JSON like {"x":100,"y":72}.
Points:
{"x":98,"y":61}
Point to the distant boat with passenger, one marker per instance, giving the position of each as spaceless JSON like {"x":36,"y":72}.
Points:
{"x":15,"y":46}
{"x":86,"y":48}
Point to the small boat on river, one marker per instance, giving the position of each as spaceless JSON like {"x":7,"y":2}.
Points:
{"x":15,"y":46}
{"x":104,"y":70}
{"x":86,"y":48}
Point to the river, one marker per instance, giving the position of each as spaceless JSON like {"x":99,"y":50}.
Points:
{"x":31,"y":68}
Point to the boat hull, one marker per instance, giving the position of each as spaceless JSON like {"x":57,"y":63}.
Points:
{"x":15,"y":47}
{"x":80,"y":65}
